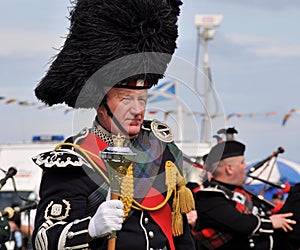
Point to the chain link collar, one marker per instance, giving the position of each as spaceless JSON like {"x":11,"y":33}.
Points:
{"x":102,"y":133}
{"x":105,"y":135}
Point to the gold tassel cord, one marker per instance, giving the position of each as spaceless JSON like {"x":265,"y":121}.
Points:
{"x":139,"y":206}
{"x":171,"y":179}
{"x":177,"y":223}
{"x":186,"y":198}
{"x":183,"y":195}
{"x":183,"y":201}
{"x":127,"y":189}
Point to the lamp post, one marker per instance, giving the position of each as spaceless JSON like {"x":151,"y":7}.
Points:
{"x":206,"y":24}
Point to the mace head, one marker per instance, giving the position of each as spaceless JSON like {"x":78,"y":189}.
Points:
{"x":118,"y":140}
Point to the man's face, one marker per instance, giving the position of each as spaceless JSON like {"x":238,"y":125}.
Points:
{"x":128,"y":107}
{"x":238,"y":170}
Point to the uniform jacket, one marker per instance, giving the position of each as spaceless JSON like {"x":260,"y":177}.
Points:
{"x":71,"y":191}
{"x":222,"y":209}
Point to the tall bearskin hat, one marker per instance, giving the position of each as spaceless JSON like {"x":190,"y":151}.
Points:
{"x":125,"y":43}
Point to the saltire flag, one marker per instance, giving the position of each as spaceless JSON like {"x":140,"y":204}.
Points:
{"x":162,"y":92}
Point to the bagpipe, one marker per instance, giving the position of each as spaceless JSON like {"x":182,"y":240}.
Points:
{"x":4,"y":225}
{"x":291,"y":204}
{"x":289,"y":240}
{"x":284,"y":187}
{"x":9,"y":212}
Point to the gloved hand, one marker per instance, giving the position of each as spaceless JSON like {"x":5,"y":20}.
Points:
{"x":108,"y":218}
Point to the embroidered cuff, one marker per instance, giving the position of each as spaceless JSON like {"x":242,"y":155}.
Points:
{"x":264,"y":226}
{"x":75,"y":235}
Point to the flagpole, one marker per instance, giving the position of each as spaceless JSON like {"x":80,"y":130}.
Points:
{"x":179,"y":115}
{"x":207,"y":23}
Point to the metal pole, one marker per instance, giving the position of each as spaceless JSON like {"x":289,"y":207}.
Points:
{"x":206,"y":129}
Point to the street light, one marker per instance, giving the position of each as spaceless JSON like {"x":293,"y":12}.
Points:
{"x":207,"y":23}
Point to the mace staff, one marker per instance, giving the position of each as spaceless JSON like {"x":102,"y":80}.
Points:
{"x":117,"y":159}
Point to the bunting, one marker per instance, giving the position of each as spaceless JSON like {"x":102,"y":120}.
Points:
{"x":251,"y":115}
{"x":231,"y":115}
{"x":166,"y":91}
{"x":288,"y":115}
{"x":22,"y":103}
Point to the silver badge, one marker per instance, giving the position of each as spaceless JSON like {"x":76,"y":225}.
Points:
{"x":57,"y":211}
{"x":140,"y":83}
{"x":162,"y":131}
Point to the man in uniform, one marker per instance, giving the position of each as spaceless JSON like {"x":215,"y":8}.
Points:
{"x":115,"y":51}
{"x":229,"y":218}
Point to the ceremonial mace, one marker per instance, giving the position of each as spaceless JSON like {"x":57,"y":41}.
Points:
{"x":117,"y":159}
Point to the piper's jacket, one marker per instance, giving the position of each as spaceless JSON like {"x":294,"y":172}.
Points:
{"x":230,"y":219}
{"x":71,"y":191}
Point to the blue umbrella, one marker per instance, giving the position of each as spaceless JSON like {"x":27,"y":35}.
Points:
{"x":278,"y":171}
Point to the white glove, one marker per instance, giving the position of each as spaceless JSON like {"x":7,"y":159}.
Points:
{"x":108,"y":218}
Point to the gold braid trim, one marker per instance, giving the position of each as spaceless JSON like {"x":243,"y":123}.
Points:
{"x":127,"y":189}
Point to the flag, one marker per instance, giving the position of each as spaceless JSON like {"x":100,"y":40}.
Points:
{"x":230,"y":116}
{"x":26,"y":103}
{"x":162,"y":92}
{"x":10,"y":101}
{"x":285,"y":118}
{"x":152,"y":112}
{"x":167,"y":113}
{"x":296,"y":111}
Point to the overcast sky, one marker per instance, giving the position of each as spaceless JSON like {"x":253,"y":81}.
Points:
{"x":254,"y":60}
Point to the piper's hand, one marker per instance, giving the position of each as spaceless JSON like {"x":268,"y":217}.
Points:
{"x":192,"y":218}
{"x":108,"y":218}
{"x":283,"y":221}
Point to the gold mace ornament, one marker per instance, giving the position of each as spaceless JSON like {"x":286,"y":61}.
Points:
{"x":117,"y":159}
